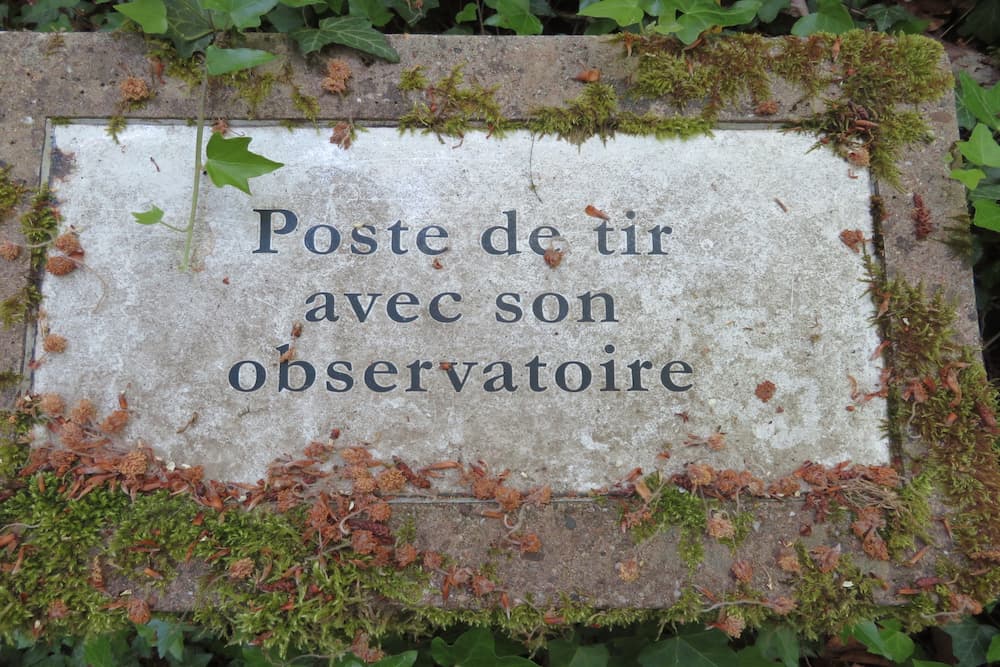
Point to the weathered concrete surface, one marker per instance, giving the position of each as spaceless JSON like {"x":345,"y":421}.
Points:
{"x":77,"y":76}
{"x":717,"y":283}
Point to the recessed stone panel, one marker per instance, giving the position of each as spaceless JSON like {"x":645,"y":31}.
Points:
{"x":568,"y":312}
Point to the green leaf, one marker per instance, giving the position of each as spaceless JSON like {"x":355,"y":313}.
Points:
{"x":968,"y":177}
{"x":189,"y":26}
{"x":983,"y":22}
{"x":830,"y":16}
{"x":409,"y":11}
{"x":929,"y":663}
{"x":150,"y":217}
{"x":779,"y":643}
{"x":981,"y":148}
{"x":285,"y":19}
{"x":222,"y":61}
{"x":981,"y":102}
{"x":704,"y":648}
{"x":969,"y":638}
{"x":622,"y":12}
{"x":894,"y":18}
{"x":887,"y":641}
{"x":242,"y":14}
{"x":769,"y":9}
{"x":405,"y":659}
{"x":986,"y":191}
{"x":352,"y":31}
{"x":231,"y":163}
{"x":302,"y":3}
{"x":97,"y":652}
{"x":514,"y":15}
{"x":563,"y":653}
{"x":987,"y":216}
{"x":373,"y":10}
{"x":468,"y":13}
{"x":169,"y":639}
{"x":151,"y":15}
{"x":751,"y":656}
{"x":993,"y":652}
{"x":700,"y":15}
{"x":475,"y":647}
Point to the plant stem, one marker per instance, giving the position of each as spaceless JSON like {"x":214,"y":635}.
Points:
{"x":189,"y":230}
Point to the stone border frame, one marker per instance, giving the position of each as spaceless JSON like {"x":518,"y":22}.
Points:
{"x":77,"y":76}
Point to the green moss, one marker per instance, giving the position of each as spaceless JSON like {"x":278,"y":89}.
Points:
{"x":58,"y":121}
{"x":827,"y":602}
{"x":40,"y":224}
{"x":15,"y":309}
{"x":872,"y":75}
{"x":910,"y":518}
{"x":670,"y":507}
{"x":253,"y":88}
{"x":11,"y":192}
{"x":116,"y":124}
{"x":450,"y":107}
{"x":413,"y":80}
{"x":9,"y":379}
{"x":307,"y":105}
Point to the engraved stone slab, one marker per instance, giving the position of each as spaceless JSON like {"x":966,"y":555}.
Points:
{"x":467,"y":300}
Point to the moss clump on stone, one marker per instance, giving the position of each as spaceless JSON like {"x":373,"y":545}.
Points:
{"x":11,"y":192}
{"x":450,"y":107}
{"x":307,"y":105}
{"x":866,"y":79}
{"x":116,"y":124}
{"x":671,"y":507}
{"x":16,"y":309}
{"x":596,"y":112}
{"x":39,"y":225}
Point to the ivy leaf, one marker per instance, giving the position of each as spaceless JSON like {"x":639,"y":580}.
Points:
{"x":983,"y":22}
{"x":242,"y":14}
{"x":969,"y":638}
{"x":150,"y":217}
{"x":373,"y":10}
{"x":151,"y":15}
{"x":514,"y":15}
{"x":405,"y":659}
{"x":169,"y":639}
{"x":830,"y":16}
{"x":353,"y":31}
{"x":97,"y":650}
{"x":983,"y":103}
{"x":468,"y":13}
{"x":563,"y":653}
{"x":987,"y":216}
{"x":622,"y":12}
{"x":302,"y":3}
{"x":231,"y":163}
{"x":222,"y":61}
{"x":703,"y":648}
{"x":993,"y":652}
{"x":700,"y":15}
{"x":887,"y":641}
{"x":981,"y":148}
{"x":474,"y":647}
{"x":888,"y":17}
{"x":779,"y":643}
{"x":968,"y":177}
{"x":189,"y":26}
{"x":752,"y":656}
{"x":409,"y":11}
{"x":769,"y":9}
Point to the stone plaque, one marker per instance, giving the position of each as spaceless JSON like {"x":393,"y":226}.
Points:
{"x":566,"y":312}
